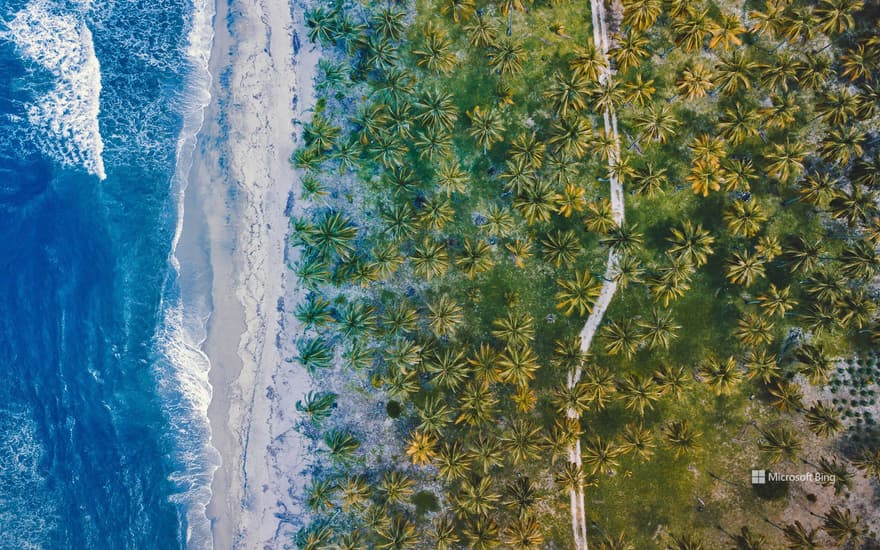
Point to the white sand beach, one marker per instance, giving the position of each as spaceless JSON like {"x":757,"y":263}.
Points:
{"x":240,"y":184}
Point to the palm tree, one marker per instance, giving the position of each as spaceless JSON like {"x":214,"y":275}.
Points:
{"x":681,"y":438}
{"x":434,"y":415}
{"x":314,"y":312}
{"x":854,"y":205}
{"x":754,"y":329}
{"x":317,"y":406}
{"x":599,"y":217}
{"x":672,"y":380}
{"x":460,"y":10}
{"x":524,"y":533}
{"x":486,"y":126}
{"x":517,"y":365}
{"x":691,"y":243}
{"x":435,"y":54}
{"x":332,"y":234}
{"x":621,"y":336}
{"x":841,"y":145}
{"x":780,"y":72}
{"x":483,"y":364}
{"x":600,"y":455}
{"x":660,"y":329}
{"x":568,"y":92}
{"x":836,"y":16}
{"x":860,"y":260}
{"x":571,"y":200}
{"x":780,"y":114}
{"x":641,"y":14}
{"x":762,"y":365}
{"x":444,"y":316}
{"x":868,"y":460}
{"x":776,"y":301}
{"x":430,"y":259}
{"x":836,"y":107}
{"x":735,"y":72}
{"x":341,"y":444}
{"x":526,"y":148}
{"x":476,"y":258}
{"x":505,"y":56}
{"x":823,"y":420}
{"x":804,"y":255}
{"x":637,"y":440}
{"x":739,"y":123}
{"x":836,"y":474}
{"x":522,"y":441}
{"x":780,"y":443}
{"x":481,"y":532}
{"x":518,"y":174}
{"x":314,"y":353}
{"x":421,"y":448}
{"x":746,"y":540}
{"x":815,"y":71}
{"x":571,"y":135}
{"x":481,"y":33}
{"x":588,"y":61}
{"x":537,"y":202}
{"x":786,"y":396}
{"x":515,"y":329}
{"x":657,"y":123}
{"x":640,"y":92}
{"x":623,"y":239}
{"x":477,"y":404}
{"x":399,"y":534}
{"x":705,"y":176}
{"x":843,"y":528}
{"x":817,"y":188}
{"x":630,"y":51}
{"x":389,"y":22}
{"x":434,"y":145}
{"x":744,"y":268}
{"x":695,"y":81}
{"x":400,"y":221}
{"x":448,"y":369}
{"x":721,"y":376}
{"x":692,"y":31}
{"x":638,"y":392}
{"x":436,"y":109}
{"x":798,"y":537}
{"x":771,"y":20}
{"x":727,"y":32}
{"x":477,"y":498}
{"x":814,"y":363}
{"x":354,"y":492}
{"x":453,"y":461}
{"x":600,"y":384}
{"x":382,"y":54}
{"x":561,"y":247}
{"x":577,"y":294}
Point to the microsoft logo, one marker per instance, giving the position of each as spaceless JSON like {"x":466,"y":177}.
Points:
{"x":759,"y":477}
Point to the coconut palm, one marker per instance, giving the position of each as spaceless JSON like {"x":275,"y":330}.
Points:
{"x":486,"y":126}
{"x":436,"y":109}
{"x":524,"y":533}
{"x":762,"y":365}
{"x":568,"y":91}
{"x":434,"y":54}
{"x":314,"y":353}
{"x":838,"y":106}
{"x":561,"y":247}
{"x":571,"y":200}
{"x":459,"y":10}
{"x":481,"y":32}
{"x":798,"y":537}
{"x":868,"y":460}
{"x":734,"y":72}
{"x":744,"y":268}
{"x":739,"y":123}
{"x":600,"y":455}
{"x":641,"y":14}
{"x":341,"y":444}
{"x":637,"y":440}
{"x":817,"y":188}
{"x":475,"y":258}
{"x":780,"y":114}
{"x":836,"y":16}
{"x":630,"y":50}
{"x":780,"y":72}
{"x":672,"y":380}
{"x":681,"y":438}
{"x":314,"y":312}
{"x":505,"y":56}
{"x":448,"y":369}
{"x":588,"y":61}
{"x":430,"y":259}
{"x":514,"y":329}
{"x":855,"y":205}
{"x":754,"y":329}
{"x":691,"y":243}
{"x":317,"y":406}
{"x":836,"y":474}
{"x":706,"y":176}
{"x":721,"y":376}
{"x":522,"y":441}
{"x":640,"y":92}
{"x":776,"y":301}
{"x":844,"y":528}
{"x":537,"y":202}
{"x":382,"y":53}
{"x":444,"y":316}
{"x":389,"y":22}
{"x":434,"y":144}
{"x":859,"y":260}
{"x":623,"y":239}
{"x":527,"y":149}
{"x":769,"y":21}
{"x":786,"y":396}
{"x":600,"y":384}
{"x":577,"y":294}
{"x":421,"y":447}
{"x":400,"y":221}
{"x":477,"y":498}
{"x":744,"y":218}
{"x":517,"y":365}
{"x":841,"y":145}
{"x":399,"y":534}
{"x":599,"y":217}
{"x":822,"y":419}
{"x":747,"y":540}
{"x":815,"y":71}
{"x":434,"y":414}
{"x":621,"y":336}
{"x":570,"y":136}
{"x":780,"y":443}
{"x":727,"y":32}
{"x":695,"y":81}
{"x":659,"y":329}
{"x":804,"y":255}
{"x":638,"y":392}
{"x":657,"y":123}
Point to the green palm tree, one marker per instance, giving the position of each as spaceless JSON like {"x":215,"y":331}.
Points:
{"x":838,"y":106}
{"x":588,"y":61}
{"x":641,"y":14}
{"x":637,"y":440}
{"x":443,"y":533}
{"x":505,"y":56}
{"x":570,"y":136}
{"x":600,"y":384}
{"x":844,"y":528}
{"x":657,"y":123}
{"x":568,"y":92}
{"x":481,"y":533}
{"x":649,"y":181}
{"x":735,"y":72}
{"x":400,"y":534}
{"x":798,"y":537}
{"x":477,"y":404}
{"x":692,"y":31}
{"x":685,"y":541}
{"x":780,"y":443}
{"x":659,"y":329}
{"x":621,"y":337}
{"x":382,"y":53}
{"x":400,"y":221}
{"x":744,"y":268}
{"x":453,"y":461}
{"x":341,"y":444}
{"x":435,"y":54}
{"x":855,"y":205}
{"x":600,"y":455}
{"x":522,"y":441}
{"x":640,"y":92}
{"x":630,"y":50}
{"x":524,"y":533}
{"x":486,"y":126}
{"x":435,"y":415}
{"x":747,"y":540}
{"x":481,"y":33}
{"x":672,"y":380}
{"x":786,"y":396}
{"x":721,"y":376}
{"x":739,"y":123}
{"x":436,"y":212}
{"x":561,"y":247}
{"x":577,"y":294}
{"x":434,"y":145}
{"x":754,"y":329}
{"x":451,"y":178}
{"x":823,"y":420}
{"x":537,"y":202}
{"x":448,"y":369}
{"x":695,"y":81}
{"x":436,"y":109}
{"x":459,"y":10}
{"x":317,"y":406}
{"x":389,"y":22}
{"x":638,"y":392}
{"x":517,"y":365}
{"x":444,"y":316}
{"x":691,"y":243}
{"x":515,"y":329}
{"x":841,"y":145}
{"x":681,"y":438}
{"x":623,"y":239}
{"x":430,"y":259}
{"x":599,"y":217}
{"x":314,"y":353}
{"x":836,"y":16}
{"x":859,"y":260}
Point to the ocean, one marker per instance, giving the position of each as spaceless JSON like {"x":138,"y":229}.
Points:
{"x":104,"y":441}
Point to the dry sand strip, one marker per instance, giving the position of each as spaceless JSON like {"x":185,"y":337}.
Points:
{"x":609,"y":287}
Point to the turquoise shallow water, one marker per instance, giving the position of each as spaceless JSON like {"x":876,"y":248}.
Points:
{"x":103,"y":440}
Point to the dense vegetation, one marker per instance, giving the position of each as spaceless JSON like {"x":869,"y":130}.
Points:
{"x":457,"y":170}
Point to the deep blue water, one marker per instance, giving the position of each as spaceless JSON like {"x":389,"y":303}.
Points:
{"x":95,"y":449}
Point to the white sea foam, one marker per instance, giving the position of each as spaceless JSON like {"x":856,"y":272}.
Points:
{"x":65,"y":118}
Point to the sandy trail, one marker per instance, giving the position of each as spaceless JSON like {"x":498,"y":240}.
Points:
{"x":609,"y":288}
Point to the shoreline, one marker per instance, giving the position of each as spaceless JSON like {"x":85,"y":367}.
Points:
{"x":239,"y":184}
